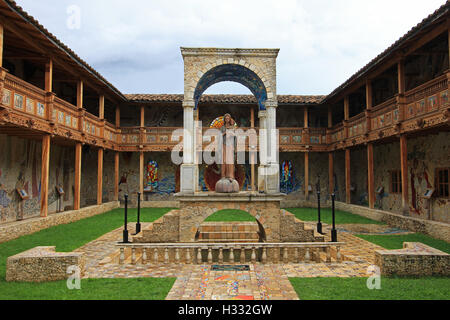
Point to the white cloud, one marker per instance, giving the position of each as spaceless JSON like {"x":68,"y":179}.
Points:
{"x":323,"y":42}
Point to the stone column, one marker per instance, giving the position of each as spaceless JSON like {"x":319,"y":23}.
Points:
{"x":189,"y":169}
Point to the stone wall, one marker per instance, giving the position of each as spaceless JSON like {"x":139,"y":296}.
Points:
{"x":43,"y":264}
{"x":415,"y":259}
{"x":435,"y":229}
{"x":17,"y":229}
{"x":20,"y":167}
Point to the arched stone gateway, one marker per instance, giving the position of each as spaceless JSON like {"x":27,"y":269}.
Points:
{"x":253,"y":68}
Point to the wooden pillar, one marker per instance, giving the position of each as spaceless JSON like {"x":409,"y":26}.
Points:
{"x":306,"y":175}
{"x":305,"y":118}
{"x":252,"y":125}
{"x":141,"y":172}
{"x":404,"y":172}
{"x":369,"y":100}
{"x":331,"y":172}
{"x":116,"y":176}
{"x":1,"y":45}
{"x":100,"y":176}
{"x":142,"y":117}
{"x":101,"y":107}
{"x":80,"y":94}
{"x":117,"y":116}
{"x":401,"y":90}
{"x":44,"y":174}
{"x":49,"y":76}
{"x":330,"y":117}
{"x":77,"y":187}
{"x":348,"y":198}
{"x":370,"y":177}
{"x":346,"y":108}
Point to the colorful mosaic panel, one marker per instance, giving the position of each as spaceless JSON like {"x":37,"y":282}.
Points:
{"x":297,"y":139}
{"x":30,"y":105}
{"x":285,"y":139}
{"x":444,"y":97}
{"x":151,"y":138}
{"x":18,"y":101}
{"x":40,"y":109}
{"x":6,"y":97}
{"x":68,"y":120}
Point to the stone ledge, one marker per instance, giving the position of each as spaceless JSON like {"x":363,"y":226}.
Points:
{"x":415,"y":259}
{"x":435,"y":229}
{"x":14,"y":230}
{"x":42,"y":264}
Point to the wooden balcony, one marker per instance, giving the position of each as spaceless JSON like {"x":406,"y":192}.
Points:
{"x":28,"y":108}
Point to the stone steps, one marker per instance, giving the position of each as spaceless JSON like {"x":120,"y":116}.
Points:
{"x":228,"y":232}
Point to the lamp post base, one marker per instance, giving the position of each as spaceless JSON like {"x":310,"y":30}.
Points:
{"x":333,"y":235}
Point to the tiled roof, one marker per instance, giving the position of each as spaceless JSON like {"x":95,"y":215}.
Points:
{"x":223,"y":98}
{"x":442,"y":11}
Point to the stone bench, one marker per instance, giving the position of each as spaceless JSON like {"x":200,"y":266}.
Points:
{"x":415,"y":259}
{"x":42,"y":264}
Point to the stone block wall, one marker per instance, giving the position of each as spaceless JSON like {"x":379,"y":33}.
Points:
{"x":43,"y":264}
{"x":17,"y":229}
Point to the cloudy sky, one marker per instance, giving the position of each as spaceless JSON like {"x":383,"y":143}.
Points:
{"x":135,"y":44}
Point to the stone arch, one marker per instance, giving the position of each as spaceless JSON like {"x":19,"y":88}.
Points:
{"x":192,"y":215}
{"x":235,"y":73}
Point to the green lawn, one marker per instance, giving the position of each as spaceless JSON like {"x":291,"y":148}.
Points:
{"x":68,"y":237}
{"x":229,"y":215}
{"x":396,"y":241}
{"x":342,"y":217}
{"x":430,"y":288}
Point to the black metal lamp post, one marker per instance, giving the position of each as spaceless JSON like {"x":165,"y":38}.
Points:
{"x":138,"y":224}
{"x":319,"y":223}
{"x":333,"y":230}
{"x":125,"y":230}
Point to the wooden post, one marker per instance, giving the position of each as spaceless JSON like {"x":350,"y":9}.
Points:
{"x":142,"y":117}
{"x":305,"y":118}
{"x":370,"y":177}
{"x":331,"y":172}
{"x":117,"y":116}
{"x":49,"y":76}
{"x":404,"y":172}
{"x":77,"y":187}
{"x":348,"y":198}
{"x":1,"y":45}
{"x":100,"y":176}
{"x":101,"y":107}
{"x":369,"y":100}
{"x":401,"y":90}
{"x":141,"y":172}
{"x":44,"y":174}
{"x":252,"y":125}
{"x":330,"y":117}
{"x":116,"y":176}
{"x":80,"y":94}
{"x":306,"y":175}
{"x":346,"y":108}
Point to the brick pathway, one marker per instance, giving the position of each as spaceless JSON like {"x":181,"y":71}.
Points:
{"x":197,"y":282}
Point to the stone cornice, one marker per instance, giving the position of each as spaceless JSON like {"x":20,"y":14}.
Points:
{"x":229,"y":52}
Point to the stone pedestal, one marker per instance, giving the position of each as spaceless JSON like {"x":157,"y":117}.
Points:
{"x":188,"y":178}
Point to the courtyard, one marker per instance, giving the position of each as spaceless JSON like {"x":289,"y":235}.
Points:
{"x":106,"y":279}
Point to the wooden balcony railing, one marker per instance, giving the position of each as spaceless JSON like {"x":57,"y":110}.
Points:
{"x":31,"y":105}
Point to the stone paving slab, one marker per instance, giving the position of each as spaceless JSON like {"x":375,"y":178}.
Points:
{"x":199,"y":282}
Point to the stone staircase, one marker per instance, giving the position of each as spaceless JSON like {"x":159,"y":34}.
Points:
{"x":164,"y":229}
{"x":292,"y":229}
{"x":218,"y":232}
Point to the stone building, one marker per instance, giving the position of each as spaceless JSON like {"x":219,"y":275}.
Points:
{"x":70,"y":139}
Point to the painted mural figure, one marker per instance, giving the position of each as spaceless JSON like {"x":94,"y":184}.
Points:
{"x":228,"y":183}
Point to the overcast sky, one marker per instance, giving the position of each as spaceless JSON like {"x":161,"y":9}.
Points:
{"x":135,"y":44}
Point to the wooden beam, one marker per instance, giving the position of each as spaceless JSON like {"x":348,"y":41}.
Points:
{"x":44,"y":174}
{"x":305,"y":117}
{"x":116,"y":176}
{"x":80,"y":94}
{"x":306,"y":175}
{"x":348,"y":197}
{"x":330,"y":117}
{"x":1,"y":45}
{"x":346,"y":108}
{"x":331,"y":172}
{"x":404,"y":172}
{"x":77,"y":184}
{"x":101,"y":107}
{"x":141,"y":172}
{"x":370,"y":177}
{"x":369,"y":100}
{"x":49,"y":76}
{"x":117,"y":117}
{"x":100,"y":176}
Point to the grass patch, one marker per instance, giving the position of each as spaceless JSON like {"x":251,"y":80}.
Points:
{"x":396,"y":241}
{"x":395,"y":288}
{"x":229,"y":215}
{"x":91,"y":289}
{"x":66,"y":238}
{"x":342,"y":217}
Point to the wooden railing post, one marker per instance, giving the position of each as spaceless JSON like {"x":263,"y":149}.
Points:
{"x":45,"y":174}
